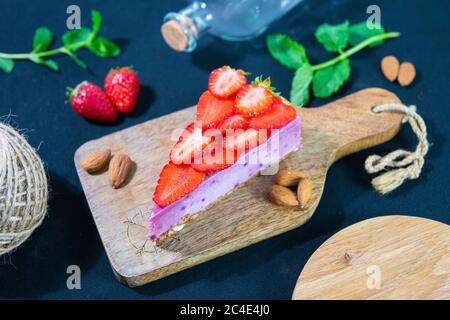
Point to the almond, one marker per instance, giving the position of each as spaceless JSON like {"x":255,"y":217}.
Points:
{"x":289,"y":178}
{"x":282,"y":196}
{"x":406,"y":74}
{"x":119,"y":169}
{"x":95,"y":161}
{"x":390,"y":67}
{"x":304,"y":190}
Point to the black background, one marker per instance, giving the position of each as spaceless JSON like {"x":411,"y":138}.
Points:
{"x":172,"y":81}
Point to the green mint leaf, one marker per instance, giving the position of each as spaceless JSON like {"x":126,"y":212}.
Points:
{"x":360,"y":32}
{"x":43,"y":37}
{"x":75,"y":39}
{"x":96,"y":22}
{"x":6,"y":65}
{"x":102,"y":47}
{"x":334,"y":38}
{"x":75,"y":58}
{"x":51,"y":64}
{"x":328,"y":80}
{"x":286,"y":51}
{"x":300,"y":85}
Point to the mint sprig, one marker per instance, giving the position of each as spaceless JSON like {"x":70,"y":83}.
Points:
{"x":328,"y":77}
{"x":300,"y":84}
{"x":288,"y":52}
{"x":72,"y":40}
{"x":328,"y":80}
{"x":334,"y":38}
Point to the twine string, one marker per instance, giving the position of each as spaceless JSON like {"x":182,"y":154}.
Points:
{"x":400,"y":164}
{"x":23,"y":189}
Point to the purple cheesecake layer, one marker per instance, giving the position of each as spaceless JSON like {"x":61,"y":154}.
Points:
{"x":215,"y":185}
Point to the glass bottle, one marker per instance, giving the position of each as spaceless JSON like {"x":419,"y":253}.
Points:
{"x":234,"y":20}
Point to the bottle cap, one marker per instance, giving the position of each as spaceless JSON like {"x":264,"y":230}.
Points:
{"x":175,"y":35}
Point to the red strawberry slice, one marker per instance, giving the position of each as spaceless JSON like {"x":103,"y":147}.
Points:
{"x":277,"y":116}
{"x":253,"y":99}
{"x":176,"y":181}
{"x":242,"y":140}
{"x":233,"y":122}
{"x":226,"y":81}
{"x":212,"y":110}
{"x":189,"y":146}
{"x":215,"y":160}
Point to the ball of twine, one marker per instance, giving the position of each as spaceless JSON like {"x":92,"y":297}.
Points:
{"x":23,"y":189}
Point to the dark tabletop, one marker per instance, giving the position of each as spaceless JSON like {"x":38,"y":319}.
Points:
{"x":172,"y":81}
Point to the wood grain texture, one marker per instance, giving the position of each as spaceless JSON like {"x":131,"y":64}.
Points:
{"x":410,"y":255}
{"x":239,"y":219}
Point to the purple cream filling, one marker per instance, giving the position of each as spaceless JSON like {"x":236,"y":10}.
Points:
{"x":215,"y":185}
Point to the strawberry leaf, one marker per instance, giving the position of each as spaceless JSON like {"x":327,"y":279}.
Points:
{"x":333,"y":37}
{"x":328,"y":80}
{"x":43,"y":37}
{"x":6,"y":65}
{"x":102,"y":47}
{"x":300,"y":85}
{"x":286,"y":51}
{"x":360,"y":32}
{"x":75,"y":39}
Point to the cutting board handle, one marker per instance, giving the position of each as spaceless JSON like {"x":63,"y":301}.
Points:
{"x":351,"y":123}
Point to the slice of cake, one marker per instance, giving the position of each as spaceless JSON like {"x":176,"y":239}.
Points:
{"x":239,"y":130}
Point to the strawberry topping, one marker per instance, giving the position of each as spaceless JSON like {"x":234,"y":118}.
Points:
{"x":224,"y":82}
{"x":243,"y":140}
{"x":233,"y":122}
{"x":279,"y":114}
{"x":212,"y":110}
{"x":215,"y":158}
{"x":175,"y":182}
{"x":253,"y":99}
{"x":190,"y":145}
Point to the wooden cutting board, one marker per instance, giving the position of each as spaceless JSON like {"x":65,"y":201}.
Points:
{"x":241,"y":218}
{"x":391,"y":257}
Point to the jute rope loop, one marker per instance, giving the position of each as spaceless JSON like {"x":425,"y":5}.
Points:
{"x":23,"y":189}
{"x":408,"y":164}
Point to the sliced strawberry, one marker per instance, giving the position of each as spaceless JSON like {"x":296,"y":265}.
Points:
{"x":215,"y":160}
{"x":212,"y":110}
{"x":279,"y":114}
{"x":189,"y":146}
{"x":233,"y":122}
{"x":242,"y":140}
{"x":226,"y":81}
{"x":176,"y":181}
{"x":253,"y":99}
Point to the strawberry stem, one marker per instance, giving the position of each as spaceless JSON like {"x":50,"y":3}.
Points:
{"x":265,"y":82}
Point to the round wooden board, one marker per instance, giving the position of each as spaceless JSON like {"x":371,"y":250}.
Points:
{"x":389,"y":257}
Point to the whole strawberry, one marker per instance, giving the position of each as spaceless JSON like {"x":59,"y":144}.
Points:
{"x":122,"y":87}
{"x":90,"y":102}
